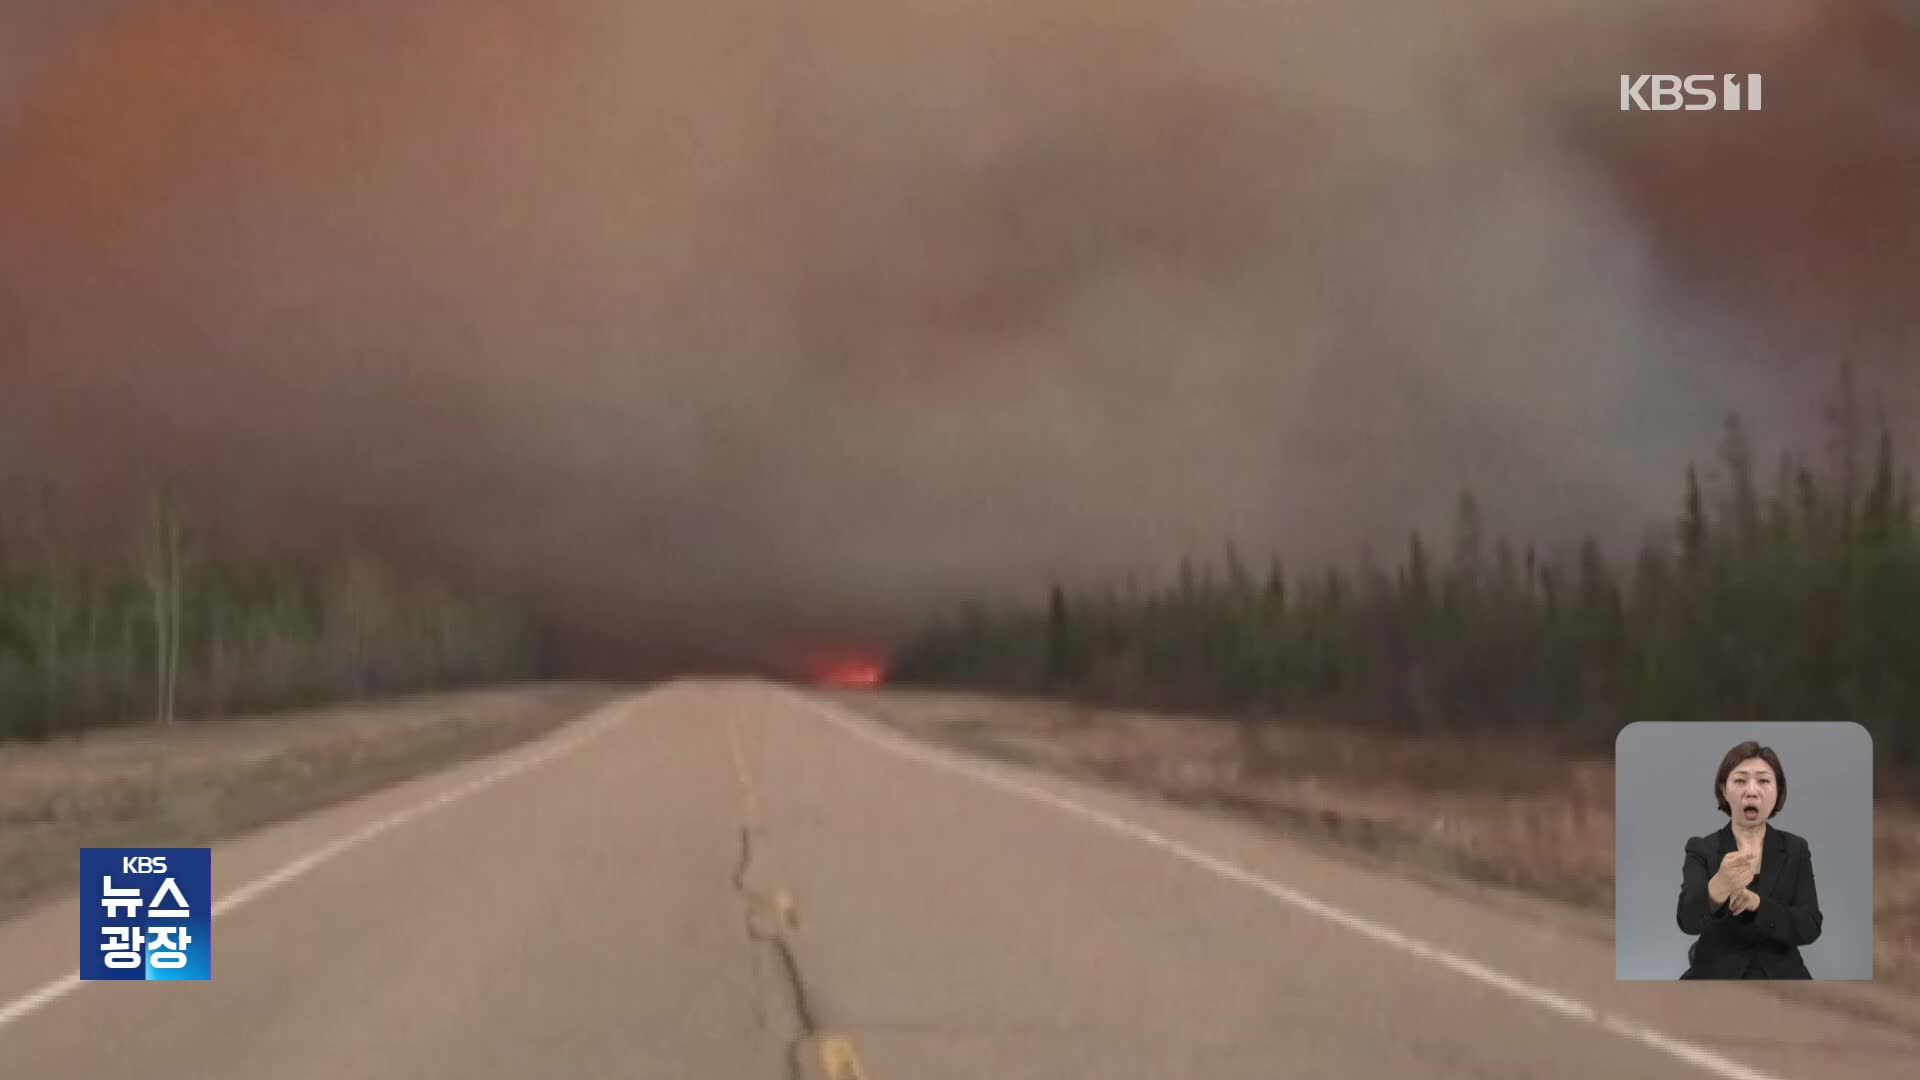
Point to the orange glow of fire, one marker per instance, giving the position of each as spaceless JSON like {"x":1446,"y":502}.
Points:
{"x":856,"y":672}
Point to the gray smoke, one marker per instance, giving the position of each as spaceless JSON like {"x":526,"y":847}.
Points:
{"x":721,"y":329}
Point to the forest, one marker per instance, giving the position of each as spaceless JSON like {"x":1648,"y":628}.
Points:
{"x":1791,"y":593}
{"x":165,"y":627}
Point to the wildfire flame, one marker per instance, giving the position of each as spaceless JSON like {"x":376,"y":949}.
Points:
{"x":849,"y":672}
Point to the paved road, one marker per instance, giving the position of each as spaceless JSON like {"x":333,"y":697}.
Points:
{"x":728,"y":880}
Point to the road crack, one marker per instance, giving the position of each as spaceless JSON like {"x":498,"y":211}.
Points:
{"x":770,"y":920}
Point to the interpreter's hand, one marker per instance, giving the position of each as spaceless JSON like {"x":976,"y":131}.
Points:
{"x":1743,"y":901}
{"x":1736,"y":873}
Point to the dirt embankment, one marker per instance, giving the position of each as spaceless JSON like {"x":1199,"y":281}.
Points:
{"x":191,"y":784}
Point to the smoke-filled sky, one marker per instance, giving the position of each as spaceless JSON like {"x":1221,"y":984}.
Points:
{"x":723,"y":329}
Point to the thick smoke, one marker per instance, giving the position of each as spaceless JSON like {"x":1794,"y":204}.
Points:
{"x":720,"y":330}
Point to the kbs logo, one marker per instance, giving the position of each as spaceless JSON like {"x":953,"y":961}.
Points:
{"x":146,"y":913}
{"x":1694,"y":93}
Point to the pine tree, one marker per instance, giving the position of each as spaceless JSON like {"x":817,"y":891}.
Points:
{"x":1419,"y":579}
{"x":1693,"y":526}
{"x":1743,"y":501}
{"x":1276,"y":586}
{"x":1877,"y":514}
{"x":1059,"y":639}
{"x":1469,"y":540}
{"x":1843,"y":422}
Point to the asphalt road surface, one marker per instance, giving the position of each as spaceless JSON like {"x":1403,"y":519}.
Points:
{"x":732,"y":880}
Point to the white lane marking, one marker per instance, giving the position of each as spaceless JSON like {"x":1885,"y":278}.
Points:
{"x":589,"y":728}
{"x":20,"y":1007}
{"x":1691,"y":1053}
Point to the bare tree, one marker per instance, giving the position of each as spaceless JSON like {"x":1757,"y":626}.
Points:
{"x":163,"y":564}
{"x":360,"y":605}
{"x":50,"y":606}
{"x":95,"y":601}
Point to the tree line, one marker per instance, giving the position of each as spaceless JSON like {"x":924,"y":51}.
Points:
{"x":171,"y":628}
{"x":1796,"y":598}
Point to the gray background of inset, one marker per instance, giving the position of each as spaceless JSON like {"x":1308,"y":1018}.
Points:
{"x":1663,"y":794}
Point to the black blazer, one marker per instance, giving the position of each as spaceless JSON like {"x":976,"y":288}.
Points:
{"x":1760,"y":944}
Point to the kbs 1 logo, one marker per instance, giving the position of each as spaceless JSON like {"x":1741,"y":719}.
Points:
{"x":1694,"y":93}
{"x":146,"y":913}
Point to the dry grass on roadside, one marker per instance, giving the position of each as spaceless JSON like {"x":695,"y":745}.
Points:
{"x":1896,"y":896}
{"x":194,"y":783}
{"x":1490,"y":810}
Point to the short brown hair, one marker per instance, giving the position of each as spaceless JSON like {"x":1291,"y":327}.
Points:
{"x":1738,"y":754}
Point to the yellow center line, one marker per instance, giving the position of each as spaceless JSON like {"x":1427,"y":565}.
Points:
{"x":838,"y":1059}
{"x":740,"y":772}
